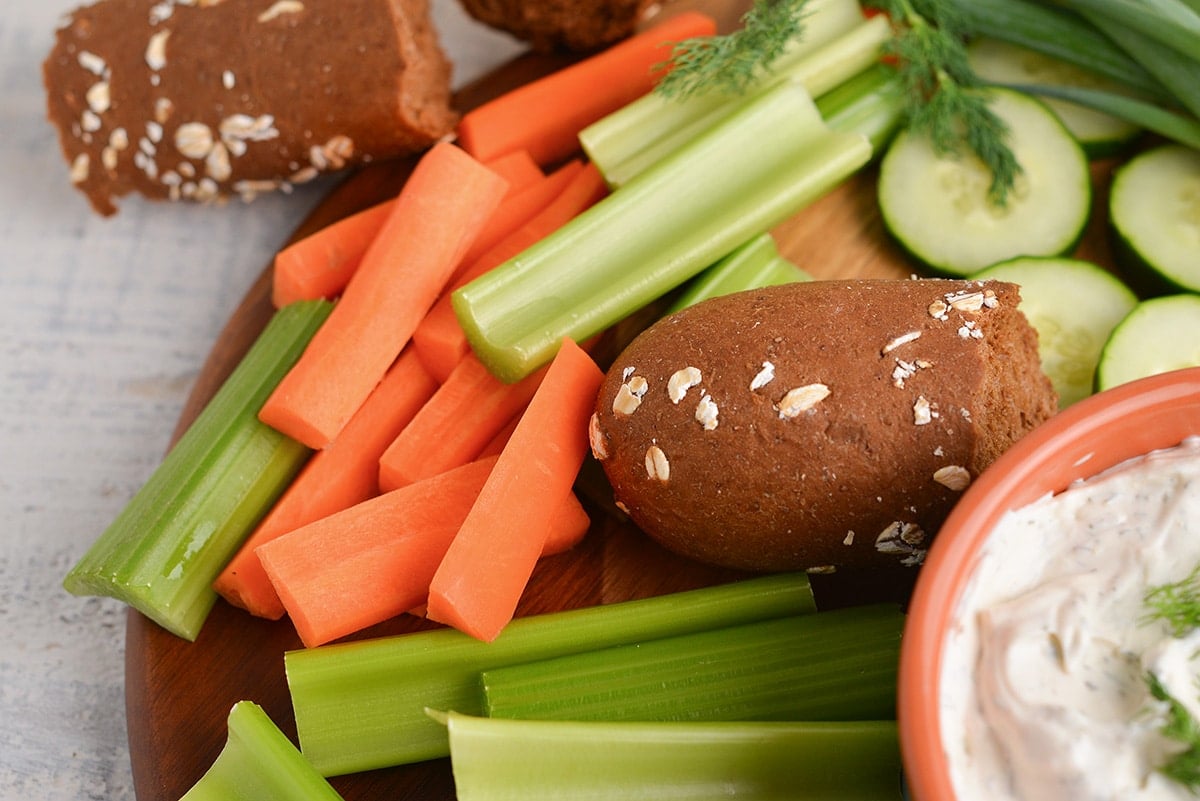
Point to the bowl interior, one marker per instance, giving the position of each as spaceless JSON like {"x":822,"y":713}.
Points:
{"x":1082,"y":440}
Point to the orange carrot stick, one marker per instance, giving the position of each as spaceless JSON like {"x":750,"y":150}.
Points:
{"x":320,"y":264}
{"x":571,"y":524}
{"x":439,"y":339}
{"x":335,"y":478}
{"x":479,"y":582}
{"x":518,"y":208}
{"x":568,"y":528}
{"x":372,"y":561}
{"x":497,"y":443}
{"x":517,"y":168}
{"x":440,"y":210}
{"x":545,"y":116}
{"x":451,"y":429}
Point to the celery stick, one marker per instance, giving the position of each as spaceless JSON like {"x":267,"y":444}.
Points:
{"x":524,"y":760}
{"x":164,"y":549}
{"x":743,"y":177}
{"x":259,"y":763}
{"x":837,"y":665}
{"x":818,"y":70}
{"x":871,"y":103}
{"x":652,"y":116}
{"x":360,"y":705}
{"x":755,"y":264}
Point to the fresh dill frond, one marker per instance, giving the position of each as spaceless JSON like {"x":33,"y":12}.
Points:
{"x":732,"y":62}
{"x":944,"y":99}
{"x":1176,"y":603}
{"x":1182,"y":767}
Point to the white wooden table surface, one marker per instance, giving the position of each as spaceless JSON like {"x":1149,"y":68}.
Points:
{"x":103,"y":327}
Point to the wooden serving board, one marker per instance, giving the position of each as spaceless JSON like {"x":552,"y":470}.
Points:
{"x":178,"y":694}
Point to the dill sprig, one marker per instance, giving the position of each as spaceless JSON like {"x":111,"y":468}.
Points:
{"x":1182,"y":767}
{"x":943,"y":96}
{"x":732,"y":62}
{"x":1176,"y":603}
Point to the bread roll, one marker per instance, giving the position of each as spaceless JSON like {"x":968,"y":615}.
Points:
{"x":817,"y":425}
{"x":206,"y":99}
{"x":571,"y":25}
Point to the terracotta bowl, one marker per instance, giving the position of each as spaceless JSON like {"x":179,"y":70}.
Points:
{"x":1082,"y":440}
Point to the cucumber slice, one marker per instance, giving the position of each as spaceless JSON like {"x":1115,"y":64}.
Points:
{"x":938,"y":209}
{"x":1002,"y":62}
{"x":1159,"y":335}
{"x":1074,"y":306}
{"x":1154,"y":212}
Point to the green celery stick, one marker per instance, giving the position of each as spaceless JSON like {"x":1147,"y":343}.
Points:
{"x":818,"y":69}
{"x":743,"y":177}
{"x":871,"y":103}
{"x":837,"y":665}
{"x":755,"y":264}
{"x":361,"y":705}
{"x":259,"y":763}
{"x":162,"y":552}
{"x":525,"y":760}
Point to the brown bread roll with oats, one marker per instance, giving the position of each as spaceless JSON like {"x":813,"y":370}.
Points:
{"x":817,"y":425}
{"x":567,"y":25}
{"x":207,"y":99}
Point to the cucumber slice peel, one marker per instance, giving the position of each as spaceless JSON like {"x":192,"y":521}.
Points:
{"x":1154,"y":212}
{"x":1159,"y":335}
{"x":937,"y":206}
{"x":1074,"y":305}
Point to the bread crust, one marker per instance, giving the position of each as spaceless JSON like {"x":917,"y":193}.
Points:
{"x":817,"y":425}
{"x":209,"y":99}
{"x":570,"y":25}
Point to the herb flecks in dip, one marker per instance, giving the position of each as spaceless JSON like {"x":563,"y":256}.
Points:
{"x":1046,"y":676}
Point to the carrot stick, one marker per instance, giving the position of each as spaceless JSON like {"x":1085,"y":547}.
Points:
{"x":518,"y":208}
{"x":517,"y":168}
{"x":372,"y":561}
{"x":341,"y":475}
{"x":442,"y":207}
{"x":545,"y":116}
{"x":479,"y":582}
{"x":451,"y":429}
{"x":320,"y":264}
{"x":569,"y":527}
{"x":497,"y":443}
{"x":439,"y":339}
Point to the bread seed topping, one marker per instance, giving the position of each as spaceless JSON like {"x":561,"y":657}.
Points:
{"x":657,"y":466}
{"x":801,"y":399}
{"x":681,"y":381}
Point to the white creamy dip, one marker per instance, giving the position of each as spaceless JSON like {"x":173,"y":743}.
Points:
{"x":1043,"y":683}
